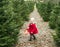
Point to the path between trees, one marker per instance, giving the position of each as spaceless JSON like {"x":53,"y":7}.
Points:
{"x":44,"y":37}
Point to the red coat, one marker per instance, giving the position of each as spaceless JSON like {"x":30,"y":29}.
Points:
{"x":32,"y":29}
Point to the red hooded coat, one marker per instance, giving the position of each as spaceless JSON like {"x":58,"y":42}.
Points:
{"x":32,"y":29}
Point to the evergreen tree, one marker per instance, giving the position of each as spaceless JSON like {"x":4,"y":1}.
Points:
{"x":13,"y":13}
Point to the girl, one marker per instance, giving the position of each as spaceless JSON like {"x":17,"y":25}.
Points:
{"x":32,"y":29}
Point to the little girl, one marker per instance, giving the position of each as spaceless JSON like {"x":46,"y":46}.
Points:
{"x":32,"y":29}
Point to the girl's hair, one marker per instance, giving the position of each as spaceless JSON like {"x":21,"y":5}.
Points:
{"x":33,"y":20}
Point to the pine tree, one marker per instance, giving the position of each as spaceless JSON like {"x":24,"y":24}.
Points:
{"x":13,"y":13}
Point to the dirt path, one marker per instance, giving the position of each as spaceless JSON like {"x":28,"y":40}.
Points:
{"x":44,"y":37}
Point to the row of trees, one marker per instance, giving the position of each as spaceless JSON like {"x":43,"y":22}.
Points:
{"x":51,"y":12}
{"x":13,"y":13}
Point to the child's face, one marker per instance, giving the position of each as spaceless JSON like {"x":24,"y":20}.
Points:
{"x":31,"y":21}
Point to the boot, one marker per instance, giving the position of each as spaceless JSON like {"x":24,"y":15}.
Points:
{"x":34,"y":37}
{"x":30,"y":38}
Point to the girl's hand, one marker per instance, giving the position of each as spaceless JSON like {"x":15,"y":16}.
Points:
{"x":26,"y":32}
